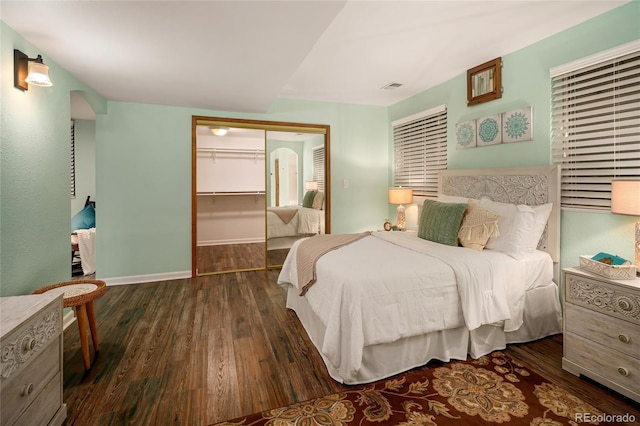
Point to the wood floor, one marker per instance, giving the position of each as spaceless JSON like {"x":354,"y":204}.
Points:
{"x":199,"y":351}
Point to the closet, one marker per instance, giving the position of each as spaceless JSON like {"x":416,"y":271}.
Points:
{"x":247,"y":175}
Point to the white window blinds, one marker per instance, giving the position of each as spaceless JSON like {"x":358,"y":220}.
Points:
{"x":318,"y":167}
{"x":420,"y":150}
{"x":596,"y":127}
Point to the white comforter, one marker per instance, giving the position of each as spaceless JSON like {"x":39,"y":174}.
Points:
{"x":393,"y":285}
{"x":307,"y":221}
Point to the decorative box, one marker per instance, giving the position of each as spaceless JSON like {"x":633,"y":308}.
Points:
{"x":615,"y":272}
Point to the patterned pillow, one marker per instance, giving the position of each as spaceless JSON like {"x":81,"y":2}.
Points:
{"x":318,"y":201}
{"x":440,"y":222}
{"x":307,"y":201}
{"x":478,"y":224}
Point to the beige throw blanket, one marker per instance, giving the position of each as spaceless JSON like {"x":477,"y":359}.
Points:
{"x":310,"y":250}
{"x":285,"y":214}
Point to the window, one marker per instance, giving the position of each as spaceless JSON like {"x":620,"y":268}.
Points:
{"x":318,"y":167}
{"x":595,"y":127}
{"x":420,"y":150}
{"x":73,"y":159}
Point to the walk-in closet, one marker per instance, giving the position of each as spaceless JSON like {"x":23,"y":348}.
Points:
{"x":257,"y":188}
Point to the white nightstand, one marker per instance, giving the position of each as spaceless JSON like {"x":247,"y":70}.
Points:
{"x":601,"y":329}
{"x":31,"y":361}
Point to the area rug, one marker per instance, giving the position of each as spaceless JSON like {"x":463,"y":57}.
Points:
{"x":489,"y":390}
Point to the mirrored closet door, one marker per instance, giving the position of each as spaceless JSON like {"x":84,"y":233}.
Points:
{"x":258,"y":186}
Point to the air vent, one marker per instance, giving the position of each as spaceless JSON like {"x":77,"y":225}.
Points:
{"x":391,"y":86}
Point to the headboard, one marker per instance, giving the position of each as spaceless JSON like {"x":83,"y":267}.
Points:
{"x":527,"y":185}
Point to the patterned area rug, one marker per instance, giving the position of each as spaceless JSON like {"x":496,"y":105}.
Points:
{"x":492,"y":389}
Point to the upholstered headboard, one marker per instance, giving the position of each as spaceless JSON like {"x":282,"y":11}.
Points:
{"x":528,"y":185}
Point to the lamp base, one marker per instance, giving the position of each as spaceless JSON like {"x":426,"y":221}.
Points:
{"x":400,"y":218}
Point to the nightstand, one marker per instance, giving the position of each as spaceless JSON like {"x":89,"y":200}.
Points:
{"x":31,"y":360}
{"x":601,"y":330}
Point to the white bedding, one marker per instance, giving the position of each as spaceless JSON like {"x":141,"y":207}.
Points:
{"x":392,"y":285}
{"x":86,"y":240}
{"x":307,"y":221}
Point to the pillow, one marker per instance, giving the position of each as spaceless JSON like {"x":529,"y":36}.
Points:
{"x":307,"y":201}
{"x":84,"y":219}
{"x":440,"y":222}
{"x":516,"y":225}
{"x":478,"y":224}
{"x":318,"y":201}
{"x":542,"y":213}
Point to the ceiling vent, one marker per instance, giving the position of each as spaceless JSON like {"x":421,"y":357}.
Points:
{"x":391,"y":86}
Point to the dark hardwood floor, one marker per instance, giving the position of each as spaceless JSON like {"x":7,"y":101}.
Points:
{"x":199,"y":351}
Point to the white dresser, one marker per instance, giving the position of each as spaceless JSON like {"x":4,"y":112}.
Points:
{"x":31,"y":360}
{"x":602,"y":330}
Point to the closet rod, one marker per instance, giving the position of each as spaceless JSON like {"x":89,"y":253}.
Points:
{"x":239,"y":150}
{"x":233,"y":193}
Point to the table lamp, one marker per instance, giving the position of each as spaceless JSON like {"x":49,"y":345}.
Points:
{"x":311,"y":185}
{"x":625,"y":199}
{"x":400,"y":196}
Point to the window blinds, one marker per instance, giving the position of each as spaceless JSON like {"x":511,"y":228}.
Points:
{"x":420,"y":151}
{"x":73,"y":159}
{"x":596,"y":128}
{"x":318,"y":167}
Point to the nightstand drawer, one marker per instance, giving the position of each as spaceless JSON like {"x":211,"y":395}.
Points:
{"x":598,"y":360}
{"x":611,"y":332}
{"x":603,"y":296}
{"x":25,"y":388}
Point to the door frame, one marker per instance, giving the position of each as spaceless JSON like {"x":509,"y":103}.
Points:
{"x":199,"y":120}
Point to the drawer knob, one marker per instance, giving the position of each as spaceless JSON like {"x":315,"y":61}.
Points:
{"x":624,"y":338}
{"x":623,"y":371}
{"x":27,"y":389}
{"x":28,"y":345}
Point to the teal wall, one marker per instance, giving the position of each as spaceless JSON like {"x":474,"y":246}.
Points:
{"x":525,"y":79}
{"x":143,"y":162}
{"x":34,"y":173}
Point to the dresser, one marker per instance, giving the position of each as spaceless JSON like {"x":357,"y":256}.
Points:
{"x":31,"y":360}
{"x":602,"y":330}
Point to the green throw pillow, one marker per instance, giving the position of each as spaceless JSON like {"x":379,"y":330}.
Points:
{"x":307,"y":201}
{"x":440,"y":222}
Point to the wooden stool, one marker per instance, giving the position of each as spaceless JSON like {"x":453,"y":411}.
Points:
{"x":79,"y":295}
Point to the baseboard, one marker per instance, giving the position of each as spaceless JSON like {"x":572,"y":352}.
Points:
{"x":68,"y":319}
{"x":138,"y":279}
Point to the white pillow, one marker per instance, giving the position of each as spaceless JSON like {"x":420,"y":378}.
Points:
{"x":517,"y":224}
{"x":542,"y":213}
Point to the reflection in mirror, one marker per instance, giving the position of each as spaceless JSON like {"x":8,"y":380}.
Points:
{"x":230,"y":185}
{"x":295,"y":190}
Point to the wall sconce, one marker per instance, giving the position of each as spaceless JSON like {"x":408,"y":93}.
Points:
{"x":401,"y":196}
{"x":219,"y":131}
{"x":625,"y":199}
{"x":28,"y":71}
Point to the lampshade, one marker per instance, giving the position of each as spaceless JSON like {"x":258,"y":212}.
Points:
{"x":625,"y":197}
{"x":219,"y":131}
{"x":38,"y":75}
{"x":400,"y":195}
{"x":311,"y":185}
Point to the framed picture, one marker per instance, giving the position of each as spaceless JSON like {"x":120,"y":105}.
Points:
{"x":466,"y":134}
{"x":484,"y":82}
{"x":517,"y":125}
{"x":489,"y":130}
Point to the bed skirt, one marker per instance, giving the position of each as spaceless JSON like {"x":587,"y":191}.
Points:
{"x":542,"y":317}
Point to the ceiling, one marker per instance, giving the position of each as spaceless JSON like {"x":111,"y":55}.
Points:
{"x":242,"y":55}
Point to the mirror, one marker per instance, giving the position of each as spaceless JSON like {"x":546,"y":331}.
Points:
{"x":484,"y":82}
{"x":295,"y":167}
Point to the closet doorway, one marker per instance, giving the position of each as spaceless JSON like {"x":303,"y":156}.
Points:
{"x":249,"y":179}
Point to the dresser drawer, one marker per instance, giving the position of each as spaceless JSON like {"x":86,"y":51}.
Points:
{"x":46,"y":406}
{"x":611,"y":332}
{"x":28,"y":339}
{"x":28,"y":386}
{"x":599,"y":360}
{"x":601,"y":296}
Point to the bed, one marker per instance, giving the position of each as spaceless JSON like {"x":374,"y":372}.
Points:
{"x":387,"y":302}
{"x":294,"y":221}
{"x":83,"y":236}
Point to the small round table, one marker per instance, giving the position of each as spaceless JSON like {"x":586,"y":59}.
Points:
{"x":79,"y":295}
